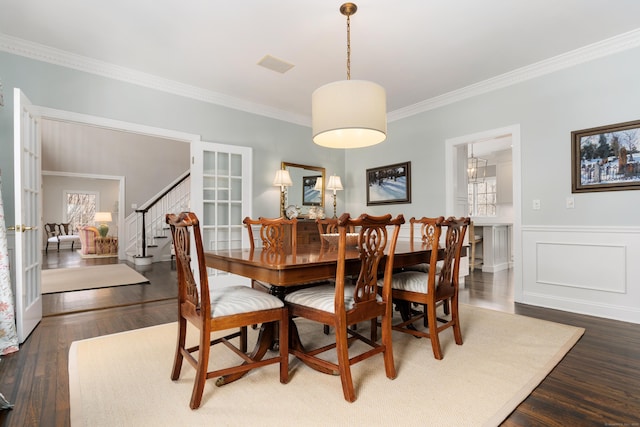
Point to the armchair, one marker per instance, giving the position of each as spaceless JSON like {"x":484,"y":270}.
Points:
{"x":88,"y":236}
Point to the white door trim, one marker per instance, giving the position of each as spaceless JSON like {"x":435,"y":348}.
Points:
{"x":450,"y":174}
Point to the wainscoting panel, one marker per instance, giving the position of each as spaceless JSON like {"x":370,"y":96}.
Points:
{"x":589,"y":270}
{"x":572,"y":271}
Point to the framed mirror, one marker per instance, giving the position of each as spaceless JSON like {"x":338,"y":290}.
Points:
{"x":308,"y":186}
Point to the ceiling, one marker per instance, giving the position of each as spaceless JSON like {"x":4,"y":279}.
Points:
{"x":416,"y":49}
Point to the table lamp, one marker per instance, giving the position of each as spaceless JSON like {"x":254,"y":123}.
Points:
{"x":103,"y":218}
{"x":334,"y":184}
{"x":282,"y":180}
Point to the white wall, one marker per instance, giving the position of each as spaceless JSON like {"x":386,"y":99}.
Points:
{"x":54,"y":187}
{"x":148,"y":163}
{"x":52,"y":86}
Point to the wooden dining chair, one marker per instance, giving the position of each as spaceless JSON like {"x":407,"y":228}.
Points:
{"x":346,"y":304}
{"x":212,"y":310}
{"x":330,"y":226}
{"x":274,"y":238}
{"x":436,"y":286}
{"x":426,"y":237}
{"x":278,"y":237}
{"x":327,"y":225}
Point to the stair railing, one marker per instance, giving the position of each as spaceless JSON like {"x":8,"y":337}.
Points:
{"x":150,"y":217}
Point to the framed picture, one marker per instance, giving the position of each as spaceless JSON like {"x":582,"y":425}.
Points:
{"x":389,"y":184}
{"x":606,"y":158}
{"x":310,"y":196}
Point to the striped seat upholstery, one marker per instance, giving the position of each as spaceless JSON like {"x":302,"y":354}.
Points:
{"x":241,"y":299}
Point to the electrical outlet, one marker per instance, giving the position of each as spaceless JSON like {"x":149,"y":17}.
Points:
{"x":536,"y":204}
{"x":134,"y":206}
{"x":571,"y":203}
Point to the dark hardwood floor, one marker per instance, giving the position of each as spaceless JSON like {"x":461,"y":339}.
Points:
{"x":596,"y":384}
{"x":162,"y":286}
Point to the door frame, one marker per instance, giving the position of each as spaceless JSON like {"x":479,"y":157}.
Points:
{"x":451,"y":165}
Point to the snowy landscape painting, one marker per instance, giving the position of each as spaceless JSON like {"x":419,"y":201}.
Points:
{"x":389,"y":184}
{"x":606,"y":158}
{"x":310,"y":196}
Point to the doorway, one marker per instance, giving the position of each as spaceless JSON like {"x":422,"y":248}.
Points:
{"x":456,"y":186}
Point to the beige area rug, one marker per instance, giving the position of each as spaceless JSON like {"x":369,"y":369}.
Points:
{"x":94,"y":256}
{"x":123,"y":380}
{"x":79,"y":278}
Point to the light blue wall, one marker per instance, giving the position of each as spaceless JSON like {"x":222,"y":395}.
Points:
{"x":601,"y":92}
{"x":548,"y":108}
{"x":52,"y":86}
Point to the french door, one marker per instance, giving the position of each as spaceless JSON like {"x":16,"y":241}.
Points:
{"x":221,"y":198}
{"x":27,"y":179}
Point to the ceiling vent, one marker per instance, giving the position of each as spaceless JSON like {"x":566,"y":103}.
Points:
{"x":275,"y":64}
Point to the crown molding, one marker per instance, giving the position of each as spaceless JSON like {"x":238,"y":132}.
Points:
{"x":590,"y":52}
{"x":62,"y":58}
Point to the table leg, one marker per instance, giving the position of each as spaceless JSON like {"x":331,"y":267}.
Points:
{"x":280,"y":292}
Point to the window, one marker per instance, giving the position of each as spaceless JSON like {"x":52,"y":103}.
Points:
{"x":80,"y":208}
{"x":482,"y":197}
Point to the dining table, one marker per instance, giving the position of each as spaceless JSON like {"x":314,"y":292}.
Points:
{"x":299,"y":265}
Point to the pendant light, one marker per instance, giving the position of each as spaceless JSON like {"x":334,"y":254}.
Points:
{"x":476,"y":168}
{"x":349,"y":113}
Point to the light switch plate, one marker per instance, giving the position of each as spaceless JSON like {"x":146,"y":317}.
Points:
{"x":536,"y":204}
{"x":571,"y":203}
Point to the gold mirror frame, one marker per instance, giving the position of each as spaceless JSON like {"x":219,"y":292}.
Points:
{"x":295,"y":192}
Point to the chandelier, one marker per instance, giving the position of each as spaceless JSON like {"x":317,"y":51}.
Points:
{"x":476,"y":168}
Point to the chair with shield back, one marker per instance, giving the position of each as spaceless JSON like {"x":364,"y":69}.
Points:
{"x":426,"y":237}
{"x":347,"y":304}
{"x":329,"y":226}
{"x":52,"y":232}
{"x":278,"y":235}
{"x":211,"y":310}
{"x":429,"y":289}
{"x":279,"y":238}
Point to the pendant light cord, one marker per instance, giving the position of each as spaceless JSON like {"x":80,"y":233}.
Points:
{"x":348,"y":47}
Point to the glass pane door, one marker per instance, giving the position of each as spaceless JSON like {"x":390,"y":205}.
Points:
{"x":221,"y":199}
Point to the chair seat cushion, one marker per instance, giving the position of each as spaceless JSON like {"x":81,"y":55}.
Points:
{"x":241,"y":299}
{"x":53,"y":239}
{"x":413,"y":281}
{"x":322,"y":297}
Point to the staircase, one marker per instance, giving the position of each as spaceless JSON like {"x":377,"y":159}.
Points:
{"x":148,"y":236}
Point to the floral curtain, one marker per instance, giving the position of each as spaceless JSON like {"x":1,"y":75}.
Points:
{"x":8,"y":336}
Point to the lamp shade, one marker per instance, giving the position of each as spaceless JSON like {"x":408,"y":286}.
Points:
{"x":103,"y":217}
{"x":318,"y":186}
{"x":334,"y":183}
{"x":282,"y":178}
{"x":349,"y":114}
